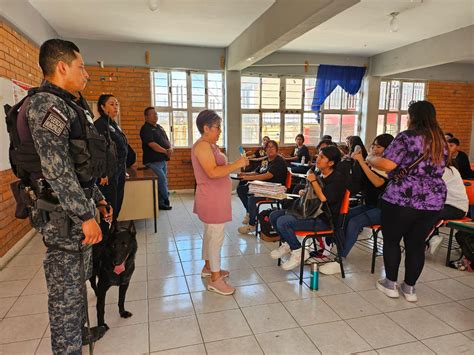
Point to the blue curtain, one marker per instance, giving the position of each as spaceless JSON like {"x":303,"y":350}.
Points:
{"x":330,"y":76}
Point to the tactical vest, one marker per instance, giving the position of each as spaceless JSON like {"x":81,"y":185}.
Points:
{"x":88,"y":148}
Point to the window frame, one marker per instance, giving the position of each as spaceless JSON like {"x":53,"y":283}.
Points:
{"x":283,"y":111}
{"x":190,"y":109}
{"x":388,"y":95}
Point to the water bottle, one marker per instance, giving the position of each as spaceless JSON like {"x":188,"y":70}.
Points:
{"x":242,"y":151}
{"x":357,"y":149}
{"x":303,"y":159}
{"x":314,"y":279}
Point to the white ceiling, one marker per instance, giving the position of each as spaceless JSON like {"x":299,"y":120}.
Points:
{"x":360,"y":30}
{"x":364,"y":28}
{"x":210,"y":23}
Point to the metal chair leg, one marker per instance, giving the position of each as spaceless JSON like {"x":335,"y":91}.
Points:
{"x":374,"y":250}
{"x":303,"y":249}
{"x":450,"y":245}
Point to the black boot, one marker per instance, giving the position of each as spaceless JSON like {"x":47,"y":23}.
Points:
{"x":95,"y":333}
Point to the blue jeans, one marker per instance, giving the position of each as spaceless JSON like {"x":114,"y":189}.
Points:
{"x":160,"y":168}
{"x":242,"y":192}
{"x":286,"y":226}
{"x":358,"y":218}
{"x":252,"y":208}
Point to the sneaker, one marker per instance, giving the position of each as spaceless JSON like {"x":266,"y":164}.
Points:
{"x":330,"y":268}
{"x":388,"y":287}
{"x":435,"y":243}
{"x":247,"y":229}
{"x":283,"y":250}
{"x":220,"y":286}
{"x":293,"y":261}
{"x":246,"y":219}
{"x":408,"y":292}
{"x":207,"y":272}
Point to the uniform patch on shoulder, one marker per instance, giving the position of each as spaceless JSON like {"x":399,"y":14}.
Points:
{"x":55,"y":121}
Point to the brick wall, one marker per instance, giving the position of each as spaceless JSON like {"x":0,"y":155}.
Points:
{"x":18,"y":60}
{"x":454,"y":104}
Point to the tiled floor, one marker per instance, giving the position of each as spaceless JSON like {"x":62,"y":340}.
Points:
{"x":269,"y":313}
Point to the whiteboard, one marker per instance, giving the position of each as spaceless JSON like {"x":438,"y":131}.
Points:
{"x":11,"y":92}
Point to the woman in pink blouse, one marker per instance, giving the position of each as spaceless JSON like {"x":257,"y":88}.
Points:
{"x":212,"y":202}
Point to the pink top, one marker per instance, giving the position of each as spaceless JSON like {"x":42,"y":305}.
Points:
{"x":212,"y":202}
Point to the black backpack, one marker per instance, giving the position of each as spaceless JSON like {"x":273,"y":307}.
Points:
{"x":466,"y":242}
{"x":265,"y":225}
{"x":355,"y":178}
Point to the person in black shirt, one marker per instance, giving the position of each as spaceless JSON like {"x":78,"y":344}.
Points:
{"x":332,"y":192}
{"x":460,"y":158}
{"x":112,"y":187}
{"x":276,"y":172}
{"x":258,"y":156}
{"x":368,"y":214}
{"x":156,"y":152}
{"x":300,"y":151}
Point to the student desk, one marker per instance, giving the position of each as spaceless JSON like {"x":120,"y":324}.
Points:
{"x":140,"y":199}
{"x":467,"y":227}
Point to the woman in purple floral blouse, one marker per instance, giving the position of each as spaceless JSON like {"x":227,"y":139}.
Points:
{"x":411,"y":203}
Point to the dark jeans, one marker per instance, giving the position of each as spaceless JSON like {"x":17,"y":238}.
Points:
{"x":451,"y":212}
{"x":413,"y":226}
{"x":286,"y":225}
{"x":358,"y":218}
{"x":249,"y":202}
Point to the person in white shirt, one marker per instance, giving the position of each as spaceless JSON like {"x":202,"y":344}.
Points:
{"x":455,"y":206}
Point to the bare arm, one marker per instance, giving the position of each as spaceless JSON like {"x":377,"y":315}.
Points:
{"x":381,"y":163}
{"x":316,"y":187}
{"x":262,"y":177}
{"x":206,"y":158}
{"x":376,"y":180}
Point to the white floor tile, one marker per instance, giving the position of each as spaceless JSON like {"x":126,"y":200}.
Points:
{"x":174,"y":333}
{"x":5,"y":304}
{"x":167,"y":287}
{"x":311,"y":311}
{"x":291,"y":290}
{"x":452,"y":288}
{"x":130,"y":339}
{"x":170,"y":307}
{"x":18,"y":329}
{"x":205,"y":302}
{"x":26,"y":305}
{"x":268,"y":317}
{"x":336,"y":338}
{"x":23,"y":347}
{"x":290,"y":341}
{"x":454,"y":314}
{"x":187,"y":350}
{"x":275,"y":273}
{"x":409,"y":348}
{"x":380,"y":331}
{"x":12,"y":288}
{"x":350,"y":305}
{"x":451,"y":344}
{"x":223,"y":325}
{"x":420,"y":323}
{"x":238,"y":346}
{"x":254,"y":295}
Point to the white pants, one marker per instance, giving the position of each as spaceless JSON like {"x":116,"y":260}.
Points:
{"x":212,"y":243}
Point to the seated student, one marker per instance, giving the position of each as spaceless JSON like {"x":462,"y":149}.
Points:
{"x":368,"y":214}
{"x":353,"y":142}
{"x":322,"y":144}
{"x":455,"y":206}
{"x":332,"y":191}
{"x":276,"y":171}
{"x":301,"y":151}
{"x":326,"y":137}
{"x":460,"y":158}
{"x":257,"y":156}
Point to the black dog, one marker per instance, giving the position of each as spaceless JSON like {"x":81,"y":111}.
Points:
{"x":115,"y":268}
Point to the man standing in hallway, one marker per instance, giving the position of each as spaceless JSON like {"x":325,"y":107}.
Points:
{"x":156,"y":152}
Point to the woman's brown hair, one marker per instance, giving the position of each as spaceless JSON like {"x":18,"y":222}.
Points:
{"x":423,"y":121}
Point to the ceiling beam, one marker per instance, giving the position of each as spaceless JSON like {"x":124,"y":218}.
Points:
{"x":283,"y":22}
{"x":449,"y":47}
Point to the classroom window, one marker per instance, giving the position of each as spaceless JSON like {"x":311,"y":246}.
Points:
{"x":395,"y":97}
{"x":280,"y":107}
{"x":179,"y":96}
